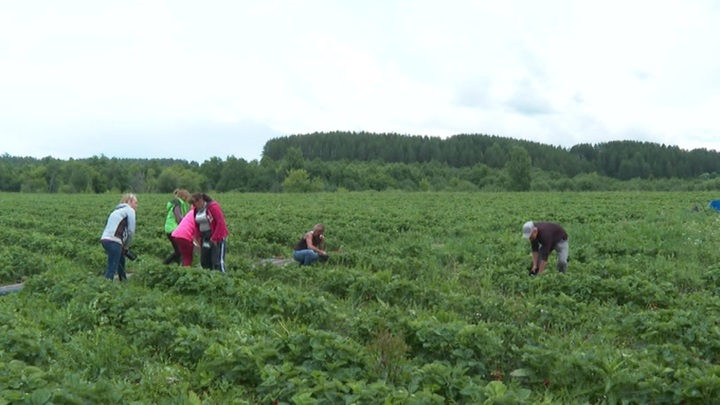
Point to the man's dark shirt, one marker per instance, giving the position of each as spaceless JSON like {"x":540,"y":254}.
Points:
{"x":548,"y":236}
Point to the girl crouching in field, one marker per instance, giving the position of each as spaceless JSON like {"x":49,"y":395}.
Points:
{"x":311,"y":246}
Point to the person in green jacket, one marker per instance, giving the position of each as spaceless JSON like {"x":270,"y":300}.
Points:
{"x":176,"y":210}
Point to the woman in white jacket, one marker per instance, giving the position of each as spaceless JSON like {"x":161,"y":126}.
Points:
{"x":118,"y":235}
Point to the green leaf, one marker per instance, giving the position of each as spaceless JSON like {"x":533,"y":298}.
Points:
{"x":193,"y":398}
{"x":40,"y":397}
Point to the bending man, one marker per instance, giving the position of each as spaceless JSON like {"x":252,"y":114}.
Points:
{"x":545,"y":237}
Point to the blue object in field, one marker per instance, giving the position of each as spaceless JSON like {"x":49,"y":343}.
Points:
{"x":7,"y":289}
{"x":715,"y":204}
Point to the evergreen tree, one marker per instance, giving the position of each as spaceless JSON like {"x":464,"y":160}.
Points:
{"x":518,"y":168}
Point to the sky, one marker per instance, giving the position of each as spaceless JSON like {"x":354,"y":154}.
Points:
{"x":193,"y":80}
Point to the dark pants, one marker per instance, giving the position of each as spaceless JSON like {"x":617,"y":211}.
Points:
{"x":175,"y":256}
{"x":115,"y":261}
{"x":212,"y":256}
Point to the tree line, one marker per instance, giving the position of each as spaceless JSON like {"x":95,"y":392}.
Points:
{"x":326,"y":162}
{"x":621,"y":160}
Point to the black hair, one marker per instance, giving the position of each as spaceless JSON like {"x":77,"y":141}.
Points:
{"x":201,"y":196}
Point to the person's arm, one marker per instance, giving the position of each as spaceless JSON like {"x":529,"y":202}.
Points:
{"x":542,"y":266}
{"x":177,"y":211}
{"x":543,"y":253}
{"x":220,"y":229}
{"x":195,"y":224}
{"x":535,"y":246}
{"x":194,"y":230}
{"x":130,"y":227}
{"x":311,"y":246}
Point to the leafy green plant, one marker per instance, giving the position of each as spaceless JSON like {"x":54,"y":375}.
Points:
{"x":424,"y":300}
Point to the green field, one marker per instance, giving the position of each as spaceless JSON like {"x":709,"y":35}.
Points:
{"x":425,"y":299}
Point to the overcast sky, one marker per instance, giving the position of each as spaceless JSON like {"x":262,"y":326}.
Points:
{"x":196,"y":79}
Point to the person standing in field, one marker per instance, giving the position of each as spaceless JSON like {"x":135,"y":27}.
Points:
{"x":184,"y":235}
{"x":311,"y":246}
{"x":118,"y":235}
{"x":211,"y":226}
{"x":176,"y":210}
{"x":545,"y":237}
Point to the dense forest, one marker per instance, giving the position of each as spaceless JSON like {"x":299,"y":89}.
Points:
{"x":621,"y":160}
{"x":343,"y":161}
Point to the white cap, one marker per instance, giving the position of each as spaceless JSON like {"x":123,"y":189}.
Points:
{"x":528,"y":229}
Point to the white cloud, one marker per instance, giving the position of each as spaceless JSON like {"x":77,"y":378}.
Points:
{"x":80,"y":74}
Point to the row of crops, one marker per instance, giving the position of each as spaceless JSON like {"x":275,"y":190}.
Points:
{"x":425,"y":299}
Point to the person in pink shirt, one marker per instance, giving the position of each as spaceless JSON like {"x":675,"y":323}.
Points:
{"x":184,"y":236}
